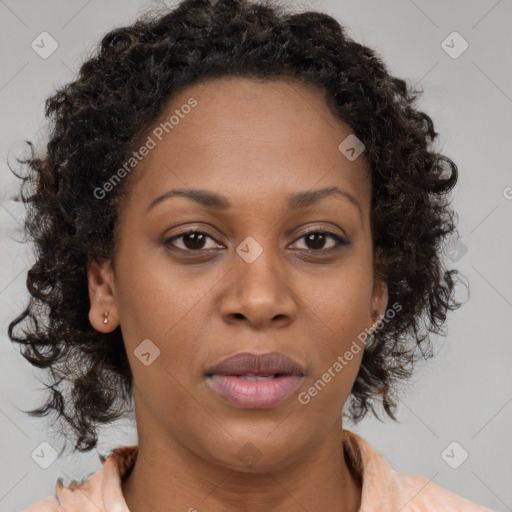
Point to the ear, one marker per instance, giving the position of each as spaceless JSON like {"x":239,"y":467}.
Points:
{"x":100,"y":277}
{"x":380,"y":292}
{"x":379,"y":300}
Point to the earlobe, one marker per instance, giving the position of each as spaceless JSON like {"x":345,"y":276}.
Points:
{"x":103,"y":314}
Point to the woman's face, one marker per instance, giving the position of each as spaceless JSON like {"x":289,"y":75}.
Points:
{"x":252,"y":280}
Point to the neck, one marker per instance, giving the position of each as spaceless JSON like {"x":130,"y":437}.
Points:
{"x":168,"y":476}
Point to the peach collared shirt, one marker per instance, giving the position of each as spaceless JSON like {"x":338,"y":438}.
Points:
{"x":383,"y":489}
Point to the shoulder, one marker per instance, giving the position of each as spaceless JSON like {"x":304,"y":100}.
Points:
{"x":49,"y":504}
{"x":83,"y":496}
{"x":386,"y":490}
{"x":424,"y":494}
{"x":100,"y":490}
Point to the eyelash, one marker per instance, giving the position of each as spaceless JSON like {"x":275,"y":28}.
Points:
{"x":340,"y":241}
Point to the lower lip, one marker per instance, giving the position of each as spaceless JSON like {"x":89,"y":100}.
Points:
{"x":254,"y":394}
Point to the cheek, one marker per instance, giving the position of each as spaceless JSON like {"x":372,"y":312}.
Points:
{"x":338,"y":311}
{"x":156,"y":299}
{"x":326,"y":392}
{"x":341,"y":303}
{"x":164,"y":305}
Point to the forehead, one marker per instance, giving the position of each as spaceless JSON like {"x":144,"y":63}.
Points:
{"x":249,"y":136}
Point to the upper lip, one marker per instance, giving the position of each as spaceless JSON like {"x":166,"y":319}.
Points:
{"x":247,"y":363}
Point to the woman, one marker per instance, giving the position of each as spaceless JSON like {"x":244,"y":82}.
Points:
{"x":238,"y":219}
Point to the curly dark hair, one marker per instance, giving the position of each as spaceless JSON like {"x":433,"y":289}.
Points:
{"x":98,"y":119}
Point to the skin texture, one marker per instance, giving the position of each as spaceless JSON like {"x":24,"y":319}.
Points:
{"x":254,"y":142}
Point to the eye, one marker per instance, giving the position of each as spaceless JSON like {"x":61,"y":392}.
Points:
{"x":316,"y":240}
{"x":194,"y":240}
{"x":191,"y":240}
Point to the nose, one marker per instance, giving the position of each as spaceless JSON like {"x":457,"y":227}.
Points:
{"x":259,"y":293}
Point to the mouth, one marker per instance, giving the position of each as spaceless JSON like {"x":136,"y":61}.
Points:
{"x":259,"y":377}
{"x":251,"y":381}
{"x":247,"y":364}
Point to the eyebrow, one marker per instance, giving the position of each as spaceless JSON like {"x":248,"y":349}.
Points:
{"x":216,"y":201}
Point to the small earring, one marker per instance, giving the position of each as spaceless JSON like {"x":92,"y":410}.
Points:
{"x":105,"y":320}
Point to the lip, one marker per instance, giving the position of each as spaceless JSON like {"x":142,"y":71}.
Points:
{"x":247,"y":363}
{"x":225,"y":379}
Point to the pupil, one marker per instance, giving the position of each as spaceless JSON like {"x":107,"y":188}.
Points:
{"x":316,"y":238}
{"x":197,"y":239}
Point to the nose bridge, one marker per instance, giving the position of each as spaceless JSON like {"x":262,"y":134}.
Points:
{"x":258,"y":287}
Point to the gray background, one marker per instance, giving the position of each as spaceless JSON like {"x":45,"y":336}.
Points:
{"x":463,"y":395}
